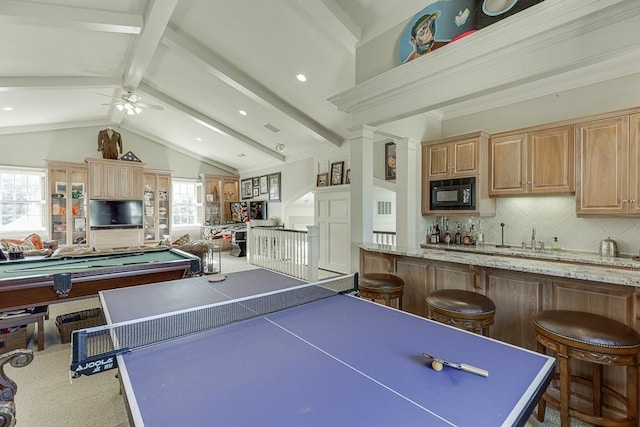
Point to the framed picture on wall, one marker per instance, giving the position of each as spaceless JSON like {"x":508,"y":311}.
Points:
{"x":264,"y":184}
{"x":246,"y":188}
{"x":256,"y":191}
{"x":323,"y":179}
{"x":274,"y":187}
{"x":337,"y":173}
{"x":347,"y":179}
{"x":390,"y":161}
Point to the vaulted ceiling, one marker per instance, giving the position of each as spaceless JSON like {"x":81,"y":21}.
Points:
{"x":202,"y":61}
{"x":68,"y":63}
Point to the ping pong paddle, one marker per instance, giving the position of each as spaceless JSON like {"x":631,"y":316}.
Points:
{"x":455,"y":365}
{"x":217,"y":278}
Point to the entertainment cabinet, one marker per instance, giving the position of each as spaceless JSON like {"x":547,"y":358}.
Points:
{"x":72,"y":185}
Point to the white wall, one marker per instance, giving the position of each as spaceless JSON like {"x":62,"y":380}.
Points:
{"x":612,"y":95}
{"x":74,"y":145}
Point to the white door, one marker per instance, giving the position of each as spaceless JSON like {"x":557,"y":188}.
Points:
{"x":332,"y":219}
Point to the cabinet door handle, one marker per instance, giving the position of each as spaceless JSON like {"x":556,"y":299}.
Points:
{"x":632,"y":201}
{"x":625,"y":201}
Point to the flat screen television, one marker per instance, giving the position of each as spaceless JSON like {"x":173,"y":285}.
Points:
{"x":115,"y":214}
{"x":258,"y":210}
{"x":246,"y":211}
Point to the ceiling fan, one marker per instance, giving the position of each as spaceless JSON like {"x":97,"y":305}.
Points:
{"x":129,"y":102}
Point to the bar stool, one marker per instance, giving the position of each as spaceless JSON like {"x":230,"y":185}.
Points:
{"x":381,"y":286}
{"x":463,"y":309}
{"x":600,"y":341}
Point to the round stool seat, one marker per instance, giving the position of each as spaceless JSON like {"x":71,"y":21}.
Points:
{"x":580,"y":329}
{"x":600,"y":341}
{"x":382,"y":286}
{"x":464,"y":309}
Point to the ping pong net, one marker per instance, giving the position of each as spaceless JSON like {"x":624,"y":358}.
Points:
{"x":94,"y":350}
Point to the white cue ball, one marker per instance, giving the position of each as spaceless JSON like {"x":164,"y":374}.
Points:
{"x":436,"y":365}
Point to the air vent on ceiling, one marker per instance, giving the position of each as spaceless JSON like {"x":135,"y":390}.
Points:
{"x":272,"y":128}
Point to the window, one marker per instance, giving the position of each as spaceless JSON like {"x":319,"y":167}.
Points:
{"x":22,"y":200}
{"x":187,"y":202}
{"x":384,"y":207}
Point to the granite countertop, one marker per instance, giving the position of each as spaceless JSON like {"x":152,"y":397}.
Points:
{"x":574,"y":265}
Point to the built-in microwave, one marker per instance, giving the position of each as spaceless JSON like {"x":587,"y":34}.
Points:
{"x":453,"y":194}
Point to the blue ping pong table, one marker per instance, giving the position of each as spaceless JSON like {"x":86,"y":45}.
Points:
{"x":333,"y":362}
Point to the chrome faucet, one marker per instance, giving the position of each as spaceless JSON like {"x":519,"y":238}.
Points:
{"x":533,"y":239}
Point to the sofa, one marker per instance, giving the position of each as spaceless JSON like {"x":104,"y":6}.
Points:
{"x":32,"y":245}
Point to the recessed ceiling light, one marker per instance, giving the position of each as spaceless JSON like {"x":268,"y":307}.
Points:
{"x":7,"y":108}
{"x":198,"y":139}
{"x":301,"y":77}
{"x":244,"y":113}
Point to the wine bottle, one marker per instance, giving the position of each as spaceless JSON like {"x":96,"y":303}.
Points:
{"x":458,"y":236}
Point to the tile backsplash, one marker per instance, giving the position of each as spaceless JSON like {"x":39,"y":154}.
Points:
{"x":556,"y":216}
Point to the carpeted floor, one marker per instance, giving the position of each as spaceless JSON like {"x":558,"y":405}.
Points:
{"x":47,"y":397}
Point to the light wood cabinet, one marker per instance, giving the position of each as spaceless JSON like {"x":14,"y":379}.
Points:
{"x":607,"y":162}
{"x":457,"y":156}
{"x":157,"y":205}
{"x":461,"y":156}
{"x":536,"y":162}
{"x":219,"y":192}
{"x":115,"y":179}
{"x":68,"y":222}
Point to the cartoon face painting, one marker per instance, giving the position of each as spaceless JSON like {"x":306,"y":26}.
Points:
{"x":422,"y":34}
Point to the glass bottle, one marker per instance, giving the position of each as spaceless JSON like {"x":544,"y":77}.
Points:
{"x":458,"y":236}
{"x":447,"y":234}
{"x":480,"y":236}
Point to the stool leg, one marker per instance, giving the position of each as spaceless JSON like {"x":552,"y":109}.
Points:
{"x":632,"y":391}
{"x":400,"y":303}
{"x":597,"y":389}
{"x":565,"y":389}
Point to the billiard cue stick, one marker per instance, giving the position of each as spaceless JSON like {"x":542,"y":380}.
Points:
{"x":74,"y":267}
{"x":88,"y":259}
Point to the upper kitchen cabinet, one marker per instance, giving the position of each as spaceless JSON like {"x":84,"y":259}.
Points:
{"x":607,"y":159}
{"x":115,"y":179}
{"x":535,"y":162}
{"x":457,"y":156}
{"x":450,"y":161}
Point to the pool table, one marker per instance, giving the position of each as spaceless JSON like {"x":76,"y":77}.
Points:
{"x":27,"y":283}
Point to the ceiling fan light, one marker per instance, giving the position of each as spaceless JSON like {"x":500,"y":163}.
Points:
{"x":120,"y":107}
{"x":128,"y":107}
{"x":137,"y":109}
{"x":131,"y":112}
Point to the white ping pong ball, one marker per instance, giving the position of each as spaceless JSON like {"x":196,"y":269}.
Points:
{"x":436,"y":365}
